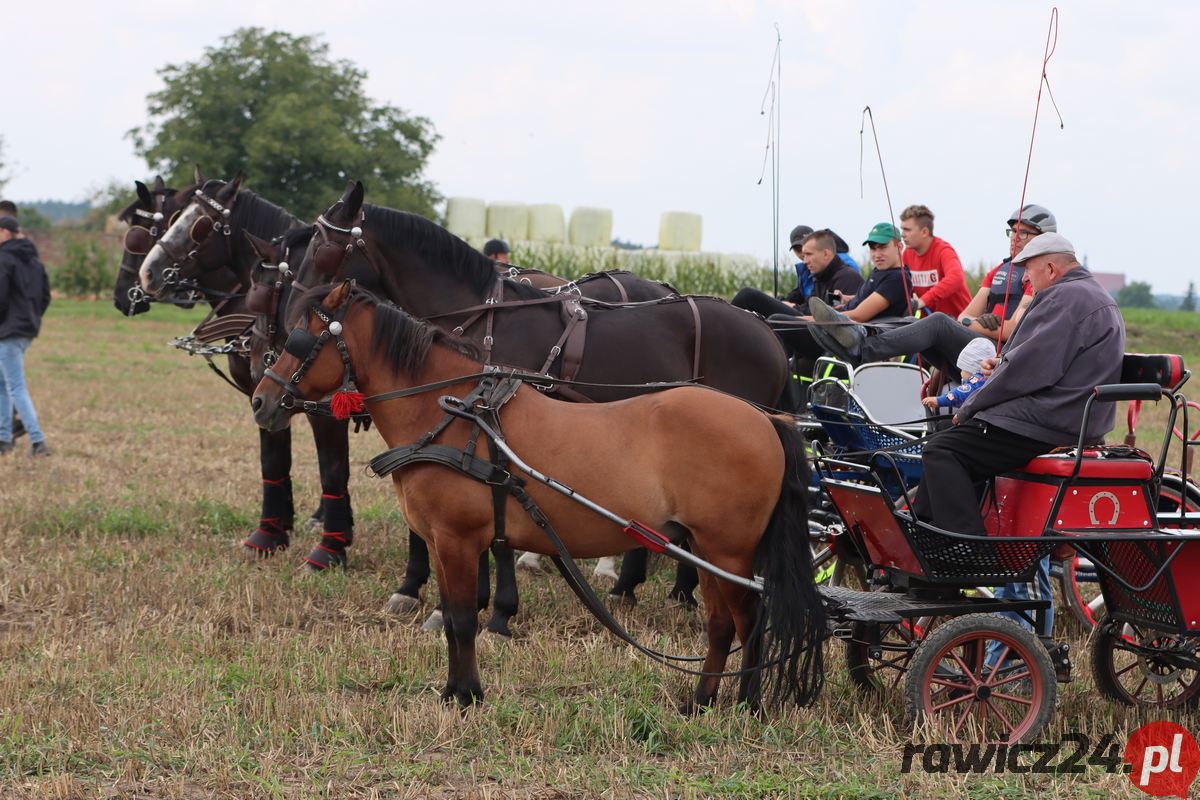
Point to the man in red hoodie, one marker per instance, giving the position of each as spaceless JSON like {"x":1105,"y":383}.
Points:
{"x":937,"y":274}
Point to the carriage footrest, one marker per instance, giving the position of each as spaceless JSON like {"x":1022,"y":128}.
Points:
{"x":850,"y":605}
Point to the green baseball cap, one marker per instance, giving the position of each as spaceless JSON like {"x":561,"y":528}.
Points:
{"x":882,"y":233}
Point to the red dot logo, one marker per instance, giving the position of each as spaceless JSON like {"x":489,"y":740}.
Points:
{"x":1163,"y":759}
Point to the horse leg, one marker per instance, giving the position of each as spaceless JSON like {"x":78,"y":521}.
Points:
{"x":507,"y":601}
{"x":746,"y":607}
{"x":685,"y":584}
{"x":332,"y":438}
{"x":633,"y":575}
{"x":483,"y":583}
{"x":720,"y":627}
{"x":407,"y":597}
{"x":457,"y":565}
{"x":275,"y":524}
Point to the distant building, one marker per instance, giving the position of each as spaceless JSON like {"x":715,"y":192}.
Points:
{"x":1112,"y":281}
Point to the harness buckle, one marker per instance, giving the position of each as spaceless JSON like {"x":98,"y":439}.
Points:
{"x":487,"y":341}
{"x":554,"y":351}
{"x":287,"y":401}
{"x":457,"y":331}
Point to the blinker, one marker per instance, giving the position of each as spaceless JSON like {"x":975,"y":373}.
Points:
{"x":300,"y":343}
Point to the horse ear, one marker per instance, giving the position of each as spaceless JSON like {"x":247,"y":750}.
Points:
{"x":159,"y":184}
{"x":144,"y":195}
{"x":266,"y":251}
{"x":352,"y":199}
{"x":230,"y":190}
{"x":198,"y":176}
{"x":341,"y":295}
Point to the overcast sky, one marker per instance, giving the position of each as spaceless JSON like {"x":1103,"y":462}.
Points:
{"x":644,"y":107}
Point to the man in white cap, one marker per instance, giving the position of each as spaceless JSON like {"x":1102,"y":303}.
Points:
{"x":1070,"y":339}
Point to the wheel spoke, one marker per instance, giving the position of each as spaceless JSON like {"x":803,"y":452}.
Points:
{"x":966,"y":696}
{"x":947,"y":682}
{"x":1123,"y":671}
{"x":1016,"y":676}
{"x":1013,"y":699}
{"x":963,"y":718}
{"x":1138,"y":691}
{"x":1003,"y":719}
{"x":970,"y":673}
{"x":999,"y":662}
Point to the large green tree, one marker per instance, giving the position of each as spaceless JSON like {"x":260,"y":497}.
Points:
{"x":1136,"y":294}
{"x":298,"y":123}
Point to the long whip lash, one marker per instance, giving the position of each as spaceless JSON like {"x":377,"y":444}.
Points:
{"x":1043,"y":81}
{"x":769,"y":106}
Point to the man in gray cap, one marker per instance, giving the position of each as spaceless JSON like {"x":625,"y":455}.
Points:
{"x":1070,"y":339}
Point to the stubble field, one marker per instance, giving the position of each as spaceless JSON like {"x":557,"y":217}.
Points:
{"x":142,"y":657}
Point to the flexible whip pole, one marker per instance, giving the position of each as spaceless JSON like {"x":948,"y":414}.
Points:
{"x":1043,"y":81}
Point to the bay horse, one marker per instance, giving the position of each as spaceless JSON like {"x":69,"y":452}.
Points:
{"x":214,"y":245}
{"x":436,"y":276}
{"x":690,"y":461}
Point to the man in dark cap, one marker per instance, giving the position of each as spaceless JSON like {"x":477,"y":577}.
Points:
{"x":9,"y":209}
{"x":24,"y":297}
{"x":497,"y":250}
{"x":837,"y":269}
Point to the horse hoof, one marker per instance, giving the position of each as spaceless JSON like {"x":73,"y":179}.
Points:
{"x":530,"y":561}
{"x":470,"y":696}
{"x":402,"y":604}
{"x":499,"y":628}
{"x":681,"y":599}
{"x":323,"y":558}
{"x":606,"y":568}
{"x":434,"y":623}
{"x":622,"y":599}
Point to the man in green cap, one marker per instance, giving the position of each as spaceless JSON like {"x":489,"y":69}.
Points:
{"x":886,"y":292}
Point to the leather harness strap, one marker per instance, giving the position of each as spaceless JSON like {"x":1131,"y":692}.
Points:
{"x":696,"y":351}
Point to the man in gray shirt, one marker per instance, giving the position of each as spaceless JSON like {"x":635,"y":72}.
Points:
{"x":1071,"y":339}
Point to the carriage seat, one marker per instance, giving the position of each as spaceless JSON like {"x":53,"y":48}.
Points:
{"x":1117,"y":463}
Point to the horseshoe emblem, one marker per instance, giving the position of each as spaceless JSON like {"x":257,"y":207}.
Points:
{"x":1108,"y":496}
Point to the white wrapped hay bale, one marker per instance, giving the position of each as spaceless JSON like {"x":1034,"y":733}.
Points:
{"x":508,"y":221}
{"x":679,"y":230}
{"x":466,"y":217}
{"x":591,"y":227}
{"x":546,"y":223}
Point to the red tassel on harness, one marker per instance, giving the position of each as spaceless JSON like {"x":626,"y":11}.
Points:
{"x":346,"y":402}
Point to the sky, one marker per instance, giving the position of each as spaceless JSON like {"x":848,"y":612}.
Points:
{"x":646,"y":107}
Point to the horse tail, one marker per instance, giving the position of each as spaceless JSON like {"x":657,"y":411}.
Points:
{"x":792,"y":617}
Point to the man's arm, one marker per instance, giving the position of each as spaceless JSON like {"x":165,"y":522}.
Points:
{"x":871,"y":307}
{"x":977,"y":305}
{"x":6,"y":277}
{"x":951,"y":279}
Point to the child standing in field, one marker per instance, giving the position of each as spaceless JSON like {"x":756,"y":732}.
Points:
{"x":970,"y":361}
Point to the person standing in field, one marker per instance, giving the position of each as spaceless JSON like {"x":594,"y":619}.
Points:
{"x":24,"y":297}
{"x":9,"y":209}
{"x":497,"y":250}
{"x":937,"y":274}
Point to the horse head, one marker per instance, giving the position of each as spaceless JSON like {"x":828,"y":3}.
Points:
{"x":148,"y":217}
{"x":197,"y":242}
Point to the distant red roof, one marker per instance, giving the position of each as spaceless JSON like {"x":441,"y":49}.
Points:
{"x":1111,"y":281}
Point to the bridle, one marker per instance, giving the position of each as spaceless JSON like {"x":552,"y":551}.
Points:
{"x":329,"y":255}
{"x":304,"y":345}
{"x":201,"y":234}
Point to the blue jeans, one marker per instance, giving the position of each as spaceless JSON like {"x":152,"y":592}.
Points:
{"x":13,"y":391}
{"x":1039,"y":589}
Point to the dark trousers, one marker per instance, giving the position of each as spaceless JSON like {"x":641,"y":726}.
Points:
{"x":939,"y":339}
{"x":957,"y":462}
{"x":761,"y":303}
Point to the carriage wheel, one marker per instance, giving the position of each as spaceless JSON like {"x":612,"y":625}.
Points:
{"x":1169,"y":678}
{"x":1081,"y":589}
{"x":897,"y":641}
{"x":981,"y":678}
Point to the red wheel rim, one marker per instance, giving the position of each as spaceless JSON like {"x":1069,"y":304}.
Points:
{"x":972,"y":700}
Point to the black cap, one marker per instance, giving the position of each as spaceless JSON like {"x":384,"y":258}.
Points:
{"x":495,"y":247}
{"x":10,"y":224}
{"x":799,"y":234}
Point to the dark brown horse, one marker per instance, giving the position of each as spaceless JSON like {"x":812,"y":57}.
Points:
{"x":434,"y":275}
{"x":148,"y":218}
{"x":213,"y":246}
{"x":697,"y":463}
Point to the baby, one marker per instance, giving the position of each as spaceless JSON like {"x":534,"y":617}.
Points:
{"x":969,"y":361}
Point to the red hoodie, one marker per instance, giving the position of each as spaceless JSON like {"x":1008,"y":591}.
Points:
{"x":938,"y":277}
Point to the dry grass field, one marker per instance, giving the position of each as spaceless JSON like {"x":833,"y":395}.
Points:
{"x":141,"y":657}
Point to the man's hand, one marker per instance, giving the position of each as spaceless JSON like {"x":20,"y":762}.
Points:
{"x":786,"y":303}
{"x":989,"y":322}
{"x":988,"y":366}
{"x":930,"y":403}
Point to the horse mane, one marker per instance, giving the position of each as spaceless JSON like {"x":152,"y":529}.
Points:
{"x":296,"y":240}
{"x":439,"y":247}
{"x":403,"y":340}
{"x":254,"y":213}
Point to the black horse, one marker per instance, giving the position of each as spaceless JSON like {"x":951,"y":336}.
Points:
{"x":209,"y":248}
{"x":438,"y":277}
